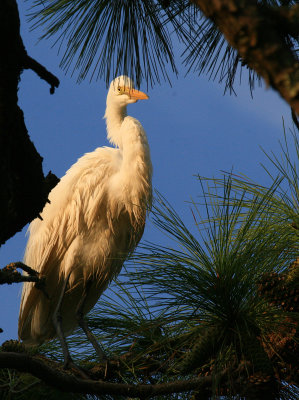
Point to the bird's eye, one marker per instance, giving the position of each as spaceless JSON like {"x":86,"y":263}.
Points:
{"x":119,"y":90}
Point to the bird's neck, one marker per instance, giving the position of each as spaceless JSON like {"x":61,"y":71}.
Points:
{"x":136,"y":170}
{"x":114,"y":118}
{"x":132,"y":184}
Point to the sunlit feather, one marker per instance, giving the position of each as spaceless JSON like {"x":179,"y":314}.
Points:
{"x":95,"y":218}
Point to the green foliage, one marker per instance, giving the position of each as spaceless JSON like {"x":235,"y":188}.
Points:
{"x":282,"y":198}
{"x":211,"y":285}
{"x":136,"y":38}
{"x":195,"y":307}
{"x":128,"y":37}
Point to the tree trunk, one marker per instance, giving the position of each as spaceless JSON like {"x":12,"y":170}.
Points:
{"x":24,"y":189}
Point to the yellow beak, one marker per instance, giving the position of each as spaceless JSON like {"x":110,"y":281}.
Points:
{"x":135,"y":94}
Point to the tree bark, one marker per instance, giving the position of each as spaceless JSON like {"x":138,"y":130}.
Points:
{"x":23,"y":187}
{"x":261,"y":35}
{"x":10,"y":275}
{"x":52,"y":374}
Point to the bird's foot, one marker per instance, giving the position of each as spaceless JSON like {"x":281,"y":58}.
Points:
{"x":69,"y":364}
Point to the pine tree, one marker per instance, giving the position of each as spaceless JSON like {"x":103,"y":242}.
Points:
{"x":214,"y":314}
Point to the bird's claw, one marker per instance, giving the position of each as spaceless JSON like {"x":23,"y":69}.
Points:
{"x":69,"y":364}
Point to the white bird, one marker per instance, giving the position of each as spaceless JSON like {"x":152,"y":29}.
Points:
{"x":94,"y":220}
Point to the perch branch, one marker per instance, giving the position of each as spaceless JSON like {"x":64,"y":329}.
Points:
{"x":56,"y":377}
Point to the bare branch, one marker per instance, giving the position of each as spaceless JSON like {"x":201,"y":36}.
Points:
{"x":41,"y":71}
{"x":9,"y":274}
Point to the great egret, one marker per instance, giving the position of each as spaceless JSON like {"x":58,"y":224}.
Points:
{"x":95,"y":218}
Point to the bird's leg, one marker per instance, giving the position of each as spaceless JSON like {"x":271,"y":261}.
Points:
{"x":83,"y":324}
{"x":57,"y":321}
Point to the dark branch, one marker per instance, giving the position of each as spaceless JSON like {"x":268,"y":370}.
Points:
{"x":41,"y":71}
{"x":54,"y":376}
{"x":9,"y":274}
{"x":256,"y":31}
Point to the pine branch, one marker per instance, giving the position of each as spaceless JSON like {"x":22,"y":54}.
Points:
{"x":56,"y":377}
{"x":260,"y":34}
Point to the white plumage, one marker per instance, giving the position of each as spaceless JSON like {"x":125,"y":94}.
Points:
{"x":95,"y":218}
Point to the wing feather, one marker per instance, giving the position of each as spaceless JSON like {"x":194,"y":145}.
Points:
{"x":73,"y":208}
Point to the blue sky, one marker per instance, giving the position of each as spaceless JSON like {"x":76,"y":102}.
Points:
{"x":192,"y":129}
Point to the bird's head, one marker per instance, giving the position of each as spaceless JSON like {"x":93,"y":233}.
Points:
{"x":122,"y":92}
